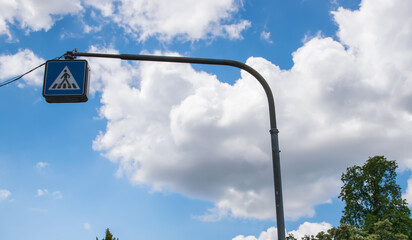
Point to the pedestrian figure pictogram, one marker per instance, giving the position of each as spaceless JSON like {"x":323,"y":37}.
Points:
{"x":65,"y":81}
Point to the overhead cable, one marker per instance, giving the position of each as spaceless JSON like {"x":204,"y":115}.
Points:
{"x":31,"y":70}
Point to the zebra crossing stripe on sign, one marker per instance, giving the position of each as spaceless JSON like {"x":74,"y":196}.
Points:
{"x":65,"y":81}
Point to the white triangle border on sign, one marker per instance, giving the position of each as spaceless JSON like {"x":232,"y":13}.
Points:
{"x":59,"y":81}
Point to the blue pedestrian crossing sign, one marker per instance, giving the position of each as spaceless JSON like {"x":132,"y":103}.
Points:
{"x":66,"y":81}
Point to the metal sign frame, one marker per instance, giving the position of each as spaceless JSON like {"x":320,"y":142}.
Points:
{"x":78,"y":71}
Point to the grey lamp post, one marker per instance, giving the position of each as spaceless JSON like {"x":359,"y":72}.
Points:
{"x":272,"y":115}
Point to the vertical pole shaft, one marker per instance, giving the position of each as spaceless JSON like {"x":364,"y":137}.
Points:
{"x":278,"y":184}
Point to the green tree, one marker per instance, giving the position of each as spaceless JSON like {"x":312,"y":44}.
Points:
{"x":343,"y":232}
{"x":290,"y":237}
{"x":383,"y":230}
{"x":323,"y":236}
{"x":307,"y":237}
{"x":109,"y":236}
{"x":371,"y":194}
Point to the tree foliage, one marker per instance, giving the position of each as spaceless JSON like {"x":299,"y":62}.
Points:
{"x":306,"y":237}
{"x":371,"y":195}
{"x":109,"y":236}
{"x":383,"y":230}
{"x":374,"y":208}
{"x":344,"y":232}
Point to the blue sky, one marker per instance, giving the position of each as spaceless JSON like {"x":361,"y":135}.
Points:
{"x":182,"y":151}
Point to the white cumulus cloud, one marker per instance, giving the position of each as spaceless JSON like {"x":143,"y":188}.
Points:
{"x":265,"y":36}
{"x":56,"y":195}
{"x":309,"y":229}
{"x":41,"y":192}
{"x":305,"y":229}
{"x":13,"y":65}
{"x":4,"y":194}
{"x":182,"y":130}
{"x":270,"y":234}
{"x":34,"y":15}
{"x":408,"y":193}
{"x":184,"y":19}
{"x":41,"y":165}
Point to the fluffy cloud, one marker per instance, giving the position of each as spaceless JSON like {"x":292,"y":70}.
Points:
{"x":185,"y":19}
{"x":14,"y":65}
{"x":381,"y":44}
{"x":4,"y":194}
{"x":41,"y":165}
{"x":270,"y":234}
{"x":41,"y":192}
{"x":310,"y":229}
{"x":184,"y":131}
{"x":189,"y":20}
{"x":265,"y":36}
{"x":408,"y":193}
{"x":34,"y":15}
{"x":56,"y":195}
{"x":181,"y":130}
{"x":306,"y":228}
{"x":175,"y":128}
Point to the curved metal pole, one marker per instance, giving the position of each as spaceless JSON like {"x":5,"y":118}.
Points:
{"x":272,"y":115}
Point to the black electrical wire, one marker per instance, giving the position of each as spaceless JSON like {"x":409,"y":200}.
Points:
{"x":17,"y":78}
